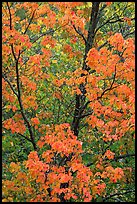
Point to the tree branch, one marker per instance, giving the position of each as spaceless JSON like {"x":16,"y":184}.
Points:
{"x":12,"y":49}
{"x":18,"y":86}
{"x":86,"y":114}
{"x":133,"y":32}
{"x":92,"y":26}
{"x":114,"y":159}
{"x":18,"y":89}
{"x":48,"y":32}
{"x":105,"y":43}
{"x":9,"y":15}
{"x":6,"y":79}
{"x":110,"y":88}
{"x":25,"y":137}
{"x":117,"y":194}
{"x":22,"y":110}
{"x":30,"y":22}
{"x":123,"y":156}
{"x":80,"y":33}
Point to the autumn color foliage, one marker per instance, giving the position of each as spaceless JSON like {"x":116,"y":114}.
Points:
{"x":68,"y":101}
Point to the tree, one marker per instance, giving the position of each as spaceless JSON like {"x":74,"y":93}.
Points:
{"x":68,"y":101}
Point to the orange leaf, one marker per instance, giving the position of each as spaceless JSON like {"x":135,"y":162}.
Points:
{"x":35,"y":121}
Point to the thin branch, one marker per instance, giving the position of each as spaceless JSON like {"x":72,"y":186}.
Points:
{"x":22,"y":109}
{"x":43,"y":34}
{"x":117,"y":194}
{"x":123,"y":156}
{"x":86,"y":104}
{"x":114,"y":159}
{"x":108,"y":21}
{"x":90,"y":164}
{"x":58,"y":112}
{"x":110,"y":88}
{"x":86,"y":114}
{"x":13,"y":52}
{"x":24,"y":137}
{"x":105,"y":43}
{"x":9,"y":15}
{"x":117,"y":199}
{"x":18,"y":86}
{"x":133,"y":32}
{"x":19,"y":97}
{"x":29,"y":22}
{"x":80,"y":33}
{"x":48,"y":32}
{"x":11,"y":29}
{"x":100,"y":11}
{"x":6,"y":79}
{"x":111,"y":142}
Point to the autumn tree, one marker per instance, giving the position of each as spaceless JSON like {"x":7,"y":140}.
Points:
{"x":68,"y":101}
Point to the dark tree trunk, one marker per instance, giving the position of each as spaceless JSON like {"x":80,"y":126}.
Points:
{"x":80,"y":99}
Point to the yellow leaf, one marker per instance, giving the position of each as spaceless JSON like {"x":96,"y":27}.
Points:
{"x":11,"y":144}
{"x":54,"y":61}
{"x":5,"y":200}
{"x":47,"y":46}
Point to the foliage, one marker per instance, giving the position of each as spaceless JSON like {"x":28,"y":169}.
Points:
{"x":68,"y":101}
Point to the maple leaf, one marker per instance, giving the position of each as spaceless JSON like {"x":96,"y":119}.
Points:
{"x":108,"y":3}
{"x":35,"y":121}
{"x":109,"y":154}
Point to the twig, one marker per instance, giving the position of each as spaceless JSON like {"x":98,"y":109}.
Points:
{"x":80,"y":33}
{"x":48,"y":32}
{"x":116,"y":194}
{"x":114,"y":159}
{"x":133,"y":32}
{"x":105,"y":43}
{"x":123,"y":156}
{"x":9,"y":15}
{"x":5,"y":78}
{"x":22,"y":109}
{"x":18,"y":87}
{"x":110,"y":88}
{"x":86,"y":114}
{"x":25,"y":137}
{"x":30,"y":22}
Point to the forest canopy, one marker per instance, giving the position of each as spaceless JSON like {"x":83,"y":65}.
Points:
{"x":68,"y":102}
